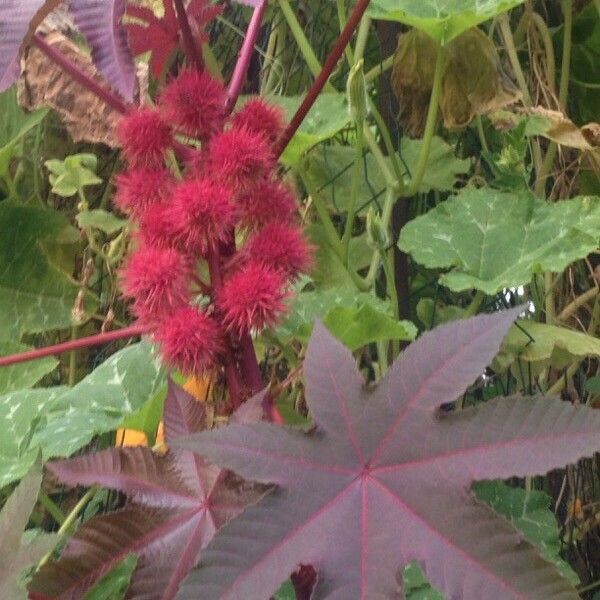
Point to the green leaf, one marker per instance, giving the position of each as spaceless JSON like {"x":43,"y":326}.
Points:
{"x":62,"y":420}
{"x":432,"y":314}
{"x":530,"y":512}
{"x":443,"y":167}
{"x":443,"y":20}
{"x":330,"y":167}
{"x":16,"y":555}
{"x":328,"y":115}
{"x":548,"y":344}
{"x":99,"y":403}
{"x":100,"y":219}
{"x":148,"y":417}
{"x":113,"y":585}
{"x":14,"y":125}
{"x":34,"y":295}
{"x":24,"y":375}
{"x":493,"y":240}
{"x":286,"y":592}
{"x":592,"y":385}
{"x":310,"y":305}
{"x":356,"y":327}
{"x":73,"y":174}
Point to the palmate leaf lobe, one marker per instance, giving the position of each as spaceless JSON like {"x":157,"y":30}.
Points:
{"x":175,"y":505}
{"x":384,"y":479}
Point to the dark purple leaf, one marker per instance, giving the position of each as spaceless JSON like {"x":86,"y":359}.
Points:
{"x":18,"y":21}
{"x":175,"y":505}
{"x":384,"y":479}
{"x":100,"y":23}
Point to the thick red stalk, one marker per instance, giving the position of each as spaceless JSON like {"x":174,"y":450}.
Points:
{"x":232,"y":374}
{"x":326,"y":71}
{"x":243,"y":62}
{"x":86,"y":342}
{"x":83,"y":78}
{"x":192,"y":52}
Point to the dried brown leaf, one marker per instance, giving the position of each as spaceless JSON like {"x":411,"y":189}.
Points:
{"x":43,"y":83}
{"x":473,"y":82}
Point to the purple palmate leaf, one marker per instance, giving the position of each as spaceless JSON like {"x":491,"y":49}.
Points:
{"x":100,"y":21}
{"x":384,"y":479}
{"x":18,"y":20}
{"x":175,"y":505}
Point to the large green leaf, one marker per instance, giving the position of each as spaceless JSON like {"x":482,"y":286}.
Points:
{"x":330,"y":170}
{"x":328,"y":115}
{"x":62,"y":420}
{"x":24,"y":375}
{"x":34,"y":295}
{"x":443,"y":20}
{"x":493,"y":240}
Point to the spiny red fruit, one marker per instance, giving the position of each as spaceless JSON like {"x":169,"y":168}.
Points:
{"x":259,"y":117}
{"x":282,"y":247}
{"x":252,"y":298}
{"x":140,"y":188}
{"x":145,"y":137}
{"x":267,"y":201}
{"x":194,"y":103}
{"x":202,"y":214}
{"x":190,"y":340}
{"x":157,"y":227}
{"x":240,"y":158}
{"x":158,"y":281}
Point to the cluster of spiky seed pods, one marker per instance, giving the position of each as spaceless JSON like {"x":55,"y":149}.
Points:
{"x":217,"y":244}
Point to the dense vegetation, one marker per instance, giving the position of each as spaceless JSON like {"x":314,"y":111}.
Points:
{"x":299,"y":299}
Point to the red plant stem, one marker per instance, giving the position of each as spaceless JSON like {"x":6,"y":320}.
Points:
{"x":80,"y":76}
{"x":229,"y":366}
{"x":243,"y":62}
{"x":326,"y":71}
{"x":86,"y":342}
{"x":192,"y":52}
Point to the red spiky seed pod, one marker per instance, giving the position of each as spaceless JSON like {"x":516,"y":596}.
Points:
{"x":138,"y":189}
{"x":202,"y":215}
{"x":252,"y":298}
{"x":157,"y":227}
{"x":145,"y":137}
{"x":259,"y":117}
{"x":194,"y":103}
{"x":190,"y":340}
{"x":266,"y":202}
{"x":280,"y":246}
{"x":158,"y":281}
{"x":240,"y":158}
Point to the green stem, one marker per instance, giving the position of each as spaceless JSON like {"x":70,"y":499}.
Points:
{"x":552,"y":151}
{"x":544,"y":32}
{"x":329,"y":228}
{"x":475,"y":304}
{"x":481,"y":133}
{"x":381,"y":68}
{"x":389,"y":146}
{"x":73,"y":357}
{"x":430,"y":124}
{"x":70,"y":520}
{"x":597,"y":4}
{"x":51,"y":507}
{"x":513,"y":57}
{"x":356,"y":174}
{"x":362,"y":37}
{"x":390,"y":285}
{"x":302,"y":41}
{"x":549,"y":303}
{"x":342,"y":18}
{"x":380,"y":159}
